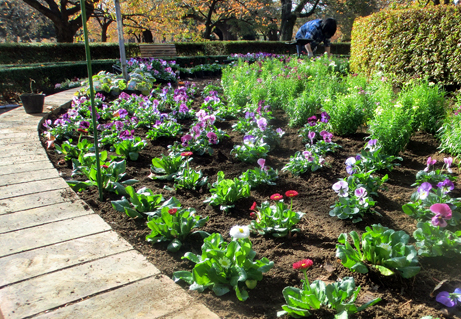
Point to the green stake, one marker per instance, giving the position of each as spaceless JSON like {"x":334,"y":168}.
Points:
{"x":93,"y":107}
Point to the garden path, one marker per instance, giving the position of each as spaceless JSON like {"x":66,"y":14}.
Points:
{"x":59,"y":259}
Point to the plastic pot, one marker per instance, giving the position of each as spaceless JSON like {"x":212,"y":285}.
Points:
{"x":33,"y":103}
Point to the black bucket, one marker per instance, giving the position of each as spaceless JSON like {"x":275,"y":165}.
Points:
{"x":33,"y":103}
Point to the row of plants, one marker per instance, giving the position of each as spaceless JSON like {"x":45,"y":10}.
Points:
{"x":224,"y":266}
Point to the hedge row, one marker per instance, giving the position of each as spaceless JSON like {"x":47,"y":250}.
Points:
{"x":19,"y":53}
{"x":17,"y":79}
{"x":24,"y":53}
{"x":410,"y":43}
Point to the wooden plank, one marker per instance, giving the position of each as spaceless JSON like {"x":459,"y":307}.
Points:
{"x":52,"y":233}
{"x":42,"y":215}
{"x":24,"y":177}
{"x":25,"y":167}
{"x":45,"y":260}
{"x":16,"y":204}
{"x":49,"y":291}
{"x":23,"y":158}
{"x":149,"y":298}
{"x":25,"y":152}
{"x":32,"y":187}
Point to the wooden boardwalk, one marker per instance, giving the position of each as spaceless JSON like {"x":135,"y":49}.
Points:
{"x":59,"y":259}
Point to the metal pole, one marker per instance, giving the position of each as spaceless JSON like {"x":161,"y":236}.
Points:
{"x":121,"y":42}
{"x":93,"y":107}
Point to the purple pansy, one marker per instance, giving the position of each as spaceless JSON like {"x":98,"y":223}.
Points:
{"x":324,"y":117}
{"x":448,"y":161}
{"x":442,"y":214}
{"x":446,"y":186}
{"x":349,"y":165}
{"x":212,"y":138}
{"x":424,"y":189}
{"x":262,"y":164}
{"x":429,"y":162}
{"x":262,"y":124}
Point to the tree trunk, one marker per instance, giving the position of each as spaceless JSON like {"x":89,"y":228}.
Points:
{"x":64,"y":34}
{"x":288,"y":21}
{"x":104,"y":28}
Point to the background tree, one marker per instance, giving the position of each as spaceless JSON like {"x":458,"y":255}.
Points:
{"x":302,"y":9}
{"x":65,"y":15}
{"x":19,"y":22}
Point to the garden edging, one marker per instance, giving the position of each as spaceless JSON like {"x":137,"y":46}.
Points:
{"x":59,"y":258}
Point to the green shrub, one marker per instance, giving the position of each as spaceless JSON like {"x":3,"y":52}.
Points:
{"x":415,"y":41}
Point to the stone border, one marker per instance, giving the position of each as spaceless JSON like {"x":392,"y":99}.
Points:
{"x":58,"y":258}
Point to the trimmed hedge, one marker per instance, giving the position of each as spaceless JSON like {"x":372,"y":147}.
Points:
{"x":20,"y":53}
{"x":24,"y":53}
{"x":17,"y":79}
{"x":231,"y":47}
{"x":415,"y":42}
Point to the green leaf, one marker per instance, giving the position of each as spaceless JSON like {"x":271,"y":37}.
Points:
{"x":241,"y":293}
{"x":385,"y":271}
{"x":220,"y":289}
{"x":174,"y":246}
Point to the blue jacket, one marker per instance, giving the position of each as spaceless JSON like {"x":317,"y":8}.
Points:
{"x":312,"y":30}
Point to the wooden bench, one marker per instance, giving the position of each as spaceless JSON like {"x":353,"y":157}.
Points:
{"x":157,"y":50}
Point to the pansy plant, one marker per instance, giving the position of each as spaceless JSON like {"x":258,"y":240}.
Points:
{"x":303,"y":162}
{"x":434,"y":176}
{"x":353,"y":202}
{"x":262,"y":175}
{"x":252,"y":149}
{"x":224,"y":266}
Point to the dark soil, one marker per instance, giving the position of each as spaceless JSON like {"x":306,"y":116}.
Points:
{"x":401,"y":298}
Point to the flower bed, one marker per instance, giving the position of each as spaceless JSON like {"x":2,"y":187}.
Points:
{"x":308,"y":192}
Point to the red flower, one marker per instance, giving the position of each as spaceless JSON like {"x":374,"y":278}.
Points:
{"x":291,"y":194}
{"x":253,"y":207}
{"x":186,"y":153}
{"x":253,"y":215}
{"x":303,"y":264}
{"x":276,"y":196}
{"x":104,"y":166}
{"x":82,"y":130}
{"x":172,"y":211}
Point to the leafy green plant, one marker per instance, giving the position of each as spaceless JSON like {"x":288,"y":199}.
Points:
{"x":188,"y":178}
{"x":140,"y":203}
{"x":387,"y":250}
{"x":167,"y":167}
{"x":346,"y":113}
{"x":112,"y":178}
{"x":130,"y":148}
{"x":392,"y":127}
{"x":278,"y":219}
{"x":225,"y":192}
{"x":71,"y":151}
{"x":174,"y":224}
{"x":340,"y":296}
{"x":224,"y":266}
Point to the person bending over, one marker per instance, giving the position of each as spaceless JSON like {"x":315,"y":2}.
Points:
{"x":312,"y":33}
